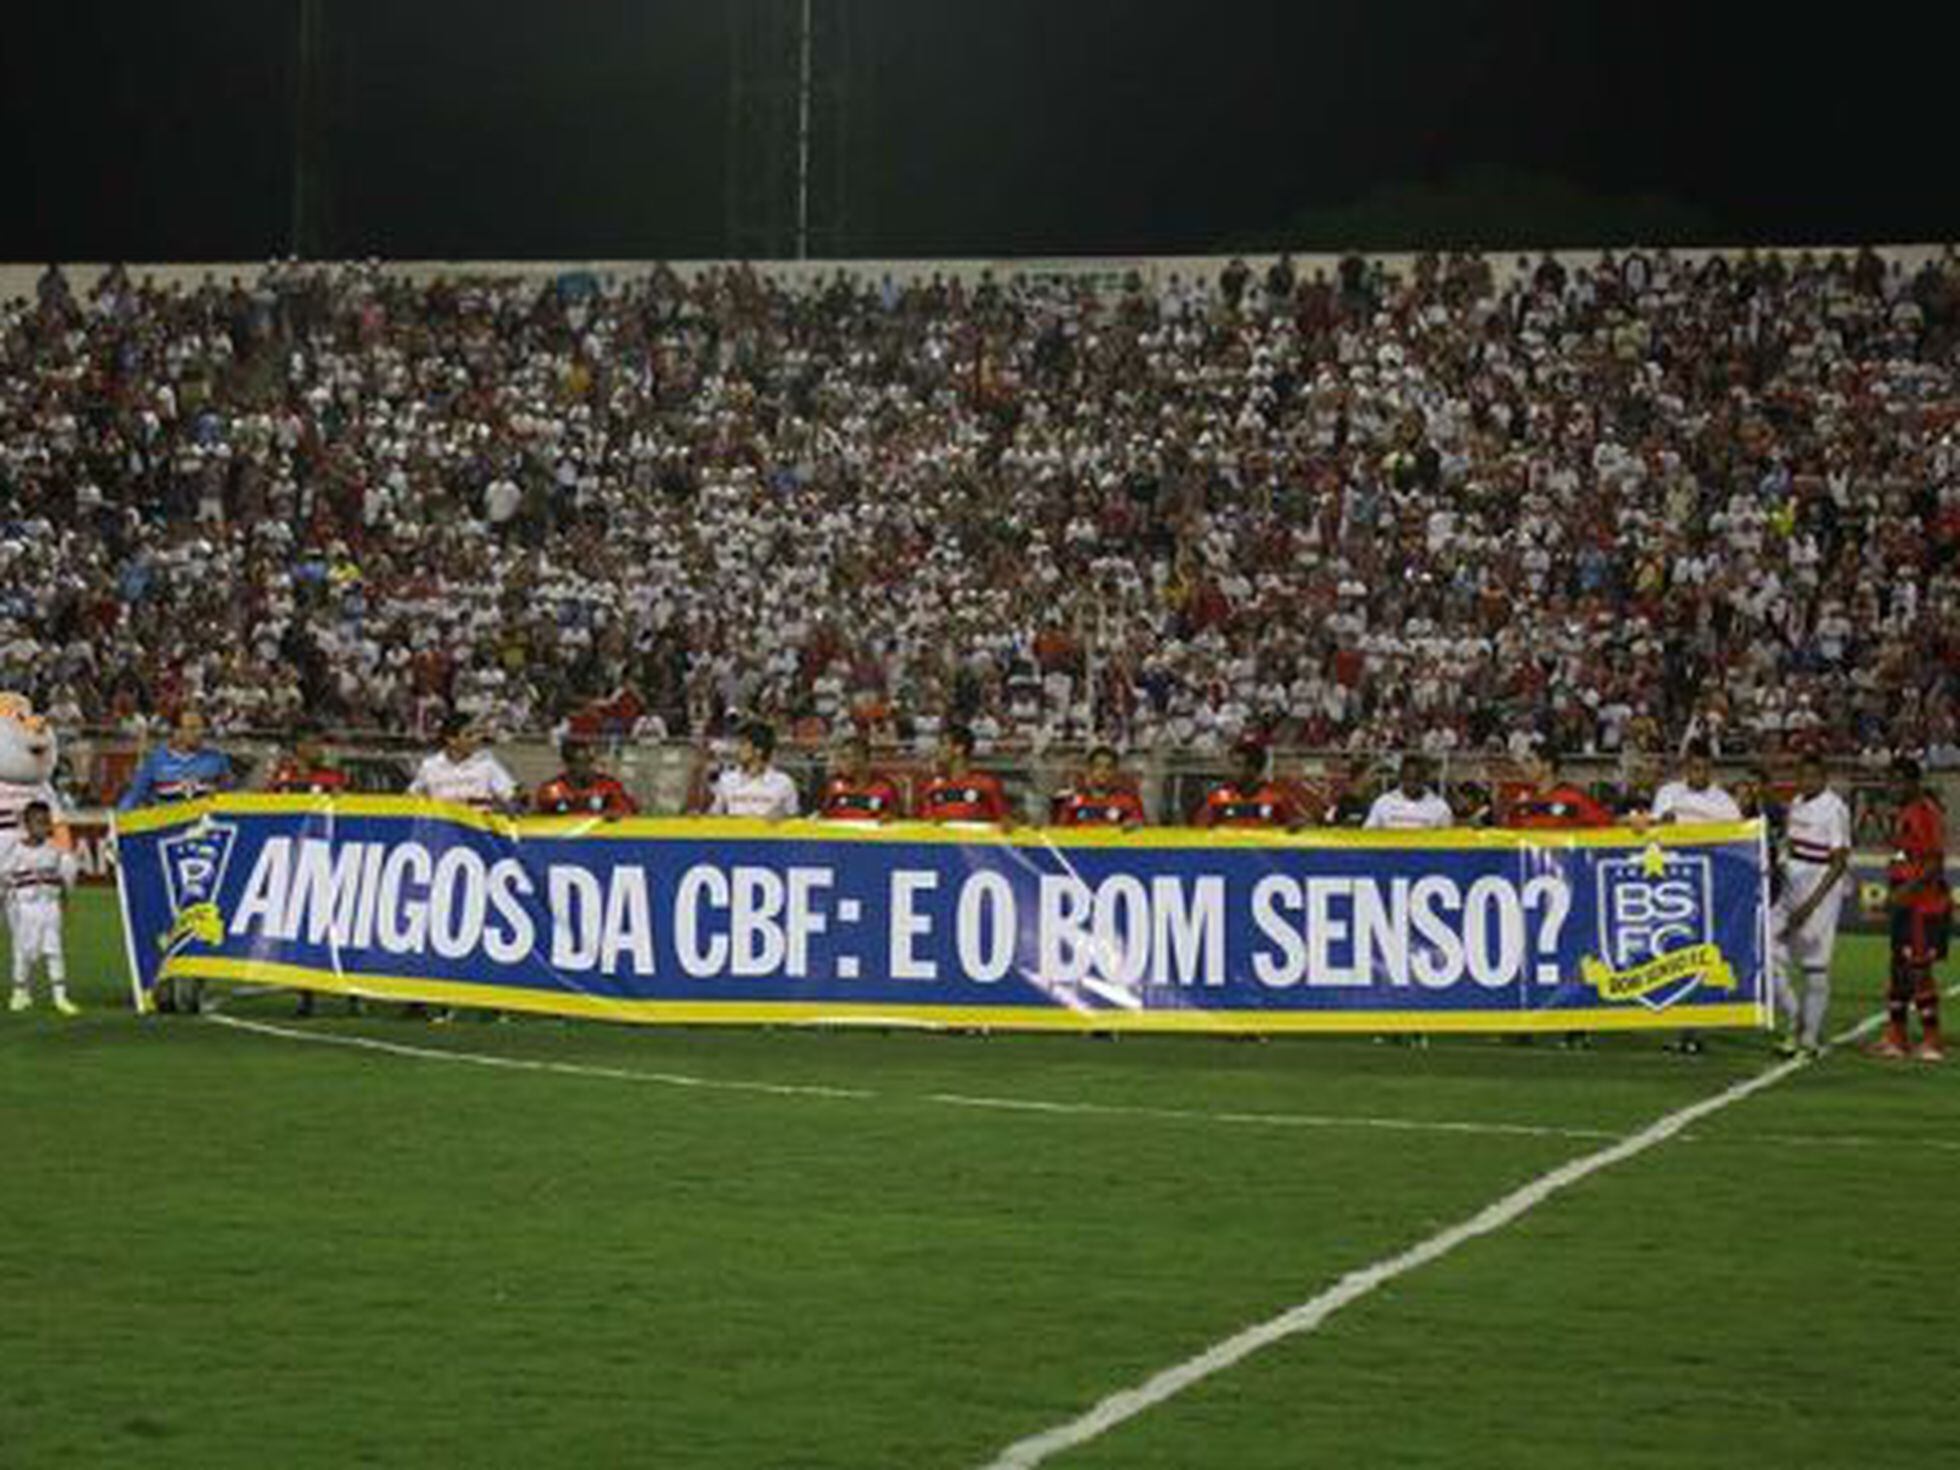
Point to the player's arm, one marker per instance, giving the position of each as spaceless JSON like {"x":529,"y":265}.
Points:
{"x":142,"y":785}
{"x":507,"y":795}
{"x":1922,"y":845}
{"x":789,"y":802}
{"x":997,"y":807}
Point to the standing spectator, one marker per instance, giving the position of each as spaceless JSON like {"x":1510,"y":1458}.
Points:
{"x":581,"y":788}
{"x":754,"y":787}
{"x":1922,"y":917}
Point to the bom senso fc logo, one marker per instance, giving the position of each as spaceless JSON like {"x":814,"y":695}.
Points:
{"x":1656,"y":930}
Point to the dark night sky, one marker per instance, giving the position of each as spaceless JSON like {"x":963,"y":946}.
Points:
{"x":586,"y":129}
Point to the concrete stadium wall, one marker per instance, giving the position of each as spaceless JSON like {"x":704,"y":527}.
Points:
{"x":1101,"y":272}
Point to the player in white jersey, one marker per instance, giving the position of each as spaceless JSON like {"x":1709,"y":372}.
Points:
{"x":38,"y":875}
{"x":463,"y":772}
{"x":27,"y":757}
{"x":1691,"y":800}
{"x":1411,"y":805}
{"x":754,"y":788}
{"x":1803,"y":925}
{"x":1694,"y":798}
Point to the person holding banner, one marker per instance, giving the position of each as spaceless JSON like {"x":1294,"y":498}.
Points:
{"x":1550,"y":803}
{"x":463,"y":772}
{"x":857,"y":793}
{"x":1248,"y":799}
{"x":1922,"y":917}
{"x":304,"y":770}
{"x":957,"y":792}
{"x":754,"y":787}
{"x":1692,"y":799}
{"x":581,"y":788}
{"x":1411,"y":805}
{"x":183,"y":768}
{"x":1103,"y":798}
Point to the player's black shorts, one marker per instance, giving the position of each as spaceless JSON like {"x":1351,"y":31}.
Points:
{"x":1921,"y":938}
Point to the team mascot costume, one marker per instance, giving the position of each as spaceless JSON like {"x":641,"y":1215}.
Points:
{"x":28,"y":749}
{"x":27,"y":756}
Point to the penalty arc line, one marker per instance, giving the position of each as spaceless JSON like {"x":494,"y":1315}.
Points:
{"x":1167,"y":1383}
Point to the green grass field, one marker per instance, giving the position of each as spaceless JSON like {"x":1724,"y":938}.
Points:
{"x":219,"y":1247}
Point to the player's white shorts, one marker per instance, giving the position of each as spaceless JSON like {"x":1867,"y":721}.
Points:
{"x":37,"y":935}
{"x":1809,"y":946}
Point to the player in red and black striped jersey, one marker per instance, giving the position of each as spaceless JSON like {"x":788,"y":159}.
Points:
{"x":582,"y":789}
{"x":304,"y":769}
{"x":1249,"y":799}
{"x":1550,"y":803}
{"x":854,"y":792}
{"x":957,"y":792}
{"x":1103,"y":798}
{"x":1922,"y":916}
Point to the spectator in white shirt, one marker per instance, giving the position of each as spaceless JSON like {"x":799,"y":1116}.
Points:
{"x":463,"y":772}
{"x":1411,"y":805}
{"x":754,"y":788}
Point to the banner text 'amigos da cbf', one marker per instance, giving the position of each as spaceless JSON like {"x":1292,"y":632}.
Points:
{"x":1160,"y":929}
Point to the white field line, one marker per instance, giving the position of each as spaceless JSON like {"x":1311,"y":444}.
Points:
{"x":1277,"y":1120}
{"x":942,"y":1099}
{"x":1167,"y":1383}
{"x":520,"y":1064}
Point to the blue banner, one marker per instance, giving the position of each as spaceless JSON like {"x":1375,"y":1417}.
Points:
{"x":1159,"y":929}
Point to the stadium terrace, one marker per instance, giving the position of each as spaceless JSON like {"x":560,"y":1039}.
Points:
{"x":1444,"y":505}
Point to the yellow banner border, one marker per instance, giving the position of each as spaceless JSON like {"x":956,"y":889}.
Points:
{"x":1006,"y":1018}
{"x":807,"y":829}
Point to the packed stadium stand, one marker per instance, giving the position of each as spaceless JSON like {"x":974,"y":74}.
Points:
{"x":1450,"y":503}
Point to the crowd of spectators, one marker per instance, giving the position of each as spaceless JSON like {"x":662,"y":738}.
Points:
{"x":1610,"y":507}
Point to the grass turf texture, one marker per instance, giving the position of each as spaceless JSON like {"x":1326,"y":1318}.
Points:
{"x":221,"y":1249}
